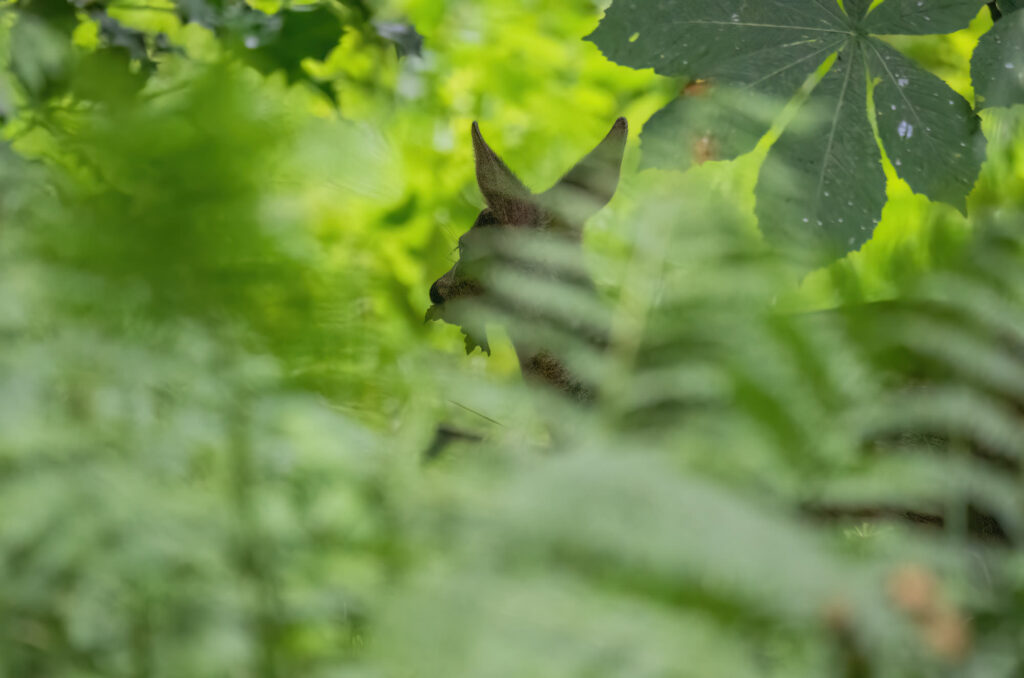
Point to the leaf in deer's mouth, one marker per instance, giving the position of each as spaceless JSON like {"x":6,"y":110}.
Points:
{"x":435,"y":312}
{"x":474,"y":331}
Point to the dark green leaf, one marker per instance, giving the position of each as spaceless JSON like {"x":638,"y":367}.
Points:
{"x":303,"y":34}
{"x":203,"y":12}
{"x":856,"y":9}
{"x":773,"y":48}
{"x":997,"y":67}
{"x":113,"y":33}
{"x":932,"y":137}
{"x":407,"y":40}
{"x":58,"y":14}
{"x":921,"y":17}
{"x":771,"y":45}
{"x":821,"y":189}
{"x":1010,"y":5}
{"x":400,"y":215}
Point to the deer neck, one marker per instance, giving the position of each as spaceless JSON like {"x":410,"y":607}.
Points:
{"x":542,"y":367}
{"x":547,"y":366}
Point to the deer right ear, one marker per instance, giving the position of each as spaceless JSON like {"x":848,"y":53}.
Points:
{"x":507,"y":197}
{"x":591,"y":183}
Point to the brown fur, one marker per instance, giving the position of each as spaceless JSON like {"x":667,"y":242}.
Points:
{"x":558,"y":212}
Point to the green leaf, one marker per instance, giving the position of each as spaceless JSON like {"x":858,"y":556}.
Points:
{"x":301,"y":34}
{"x":932,"y":136}
{"x":204,"y":13}
{"x":58,"y":14}
{"x":997,"y":67}
{"x":462,"y":314}
{"x":921,"y":17}
{"x":857,"y":8}
{"x":774,"y":47}
{"x":106,"y":75}
{"x":1008,"y":6}
{"x":121,"y":37}
{"x":822,"y":185}
{"x":405,"y":37}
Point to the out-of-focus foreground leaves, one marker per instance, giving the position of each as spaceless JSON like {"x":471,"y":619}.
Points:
{"x":177,"y":503}
{"x":216,"y":386}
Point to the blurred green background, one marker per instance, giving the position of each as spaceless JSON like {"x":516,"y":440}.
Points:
{"x":216,"y":383}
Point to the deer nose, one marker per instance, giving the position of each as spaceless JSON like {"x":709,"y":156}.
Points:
{"x":435,"y":294}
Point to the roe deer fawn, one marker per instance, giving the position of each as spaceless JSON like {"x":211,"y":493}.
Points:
{"x":555,"y":216}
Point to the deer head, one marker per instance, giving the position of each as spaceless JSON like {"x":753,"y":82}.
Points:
{"x":500,"y":236}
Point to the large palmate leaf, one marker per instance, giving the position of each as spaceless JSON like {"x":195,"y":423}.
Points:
{"x":822,"y":183}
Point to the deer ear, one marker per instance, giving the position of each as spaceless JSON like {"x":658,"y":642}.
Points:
{"x":592,"y":182}
{"x":508,"y":198}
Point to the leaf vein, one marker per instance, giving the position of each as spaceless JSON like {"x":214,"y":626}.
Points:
{"x":743,"y":24}
{"x":831,"y":138}
{"x":796,"y":63}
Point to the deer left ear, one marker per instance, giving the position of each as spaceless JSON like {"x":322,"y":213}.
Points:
{"x":592,"y":182}
{"x":509,"y":200}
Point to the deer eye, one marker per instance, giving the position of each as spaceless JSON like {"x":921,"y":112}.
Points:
{"x":485,"y":218}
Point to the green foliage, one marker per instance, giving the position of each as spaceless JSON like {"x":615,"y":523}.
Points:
{"x":822,"y":185}
{"x":216,"y":385}
{"x":154,"y":308}
{"x":128,"y":48}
